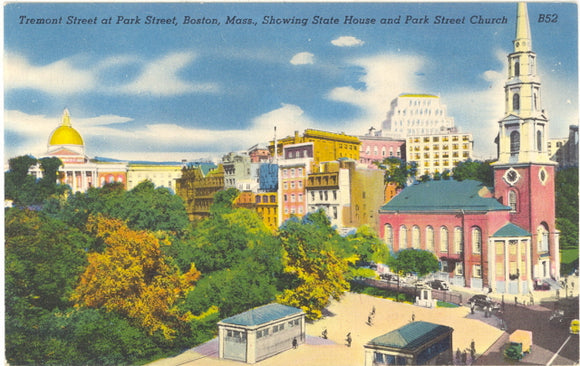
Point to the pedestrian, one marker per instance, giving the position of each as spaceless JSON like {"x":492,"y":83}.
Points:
{"x":370,"y":320}
{"x":457,"y":355}
{"x":516,"y":300}
{"x":294,"y":343}
{"x":348,"y":339}
{"x":464,"y":358}
{"x":373,"y":311}
{"x":325,"y":333}
{"x":472,"y":350}
{"x":472,"y":308}
{"x":413,"y":317}
{"x":531,"y":299}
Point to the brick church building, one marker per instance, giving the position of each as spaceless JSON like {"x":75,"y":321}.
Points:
{"x":503,"y":238}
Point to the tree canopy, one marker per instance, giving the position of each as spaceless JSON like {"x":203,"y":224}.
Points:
{"x":408,"y":261}
{"x":474,"y":169}
{"x":316,"y":262}
{"x":132,"y":277}
{"x":398,"y":171}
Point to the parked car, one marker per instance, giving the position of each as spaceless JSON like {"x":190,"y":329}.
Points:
{"x":391,"y":278}
{"x":481,"y":301}
{"x":574,"y":326}
{"x":541,"y":285}
{"x":438,"y":285}
{"x":520,"y":344}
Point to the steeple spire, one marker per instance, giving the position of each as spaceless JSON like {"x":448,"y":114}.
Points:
{"x":523,"y":40}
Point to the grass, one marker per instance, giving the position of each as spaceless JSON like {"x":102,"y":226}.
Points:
{"x":444,"y":304}
{"x":569,"y":255}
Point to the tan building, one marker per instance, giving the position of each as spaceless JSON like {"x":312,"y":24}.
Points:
{"x":197,"y":186}
{"x":437,"y":153}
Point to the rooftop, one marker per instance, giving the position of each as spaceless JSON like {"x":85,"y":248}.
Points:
{"x":444,"y":196}
{"x":262,"y":315}
{"x":410,"y":336}
{"x":511,"y":230}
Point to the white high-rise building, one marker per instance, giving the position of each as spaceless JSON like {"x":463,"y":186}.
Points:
{"x":417,"y":115}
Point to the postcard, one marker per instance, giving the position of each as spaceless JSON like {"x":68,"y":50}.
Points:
{"x":145,"y":141}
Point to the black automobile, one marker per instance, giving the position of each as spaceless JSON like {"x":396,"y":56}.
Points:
{"x":438,"y":285}
{"x":482,"y":301}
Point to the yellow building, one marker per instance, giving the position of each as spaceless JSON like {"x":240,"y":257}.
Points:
{"x":160,"y":174}
{"x":328,"y":146}
{"x":437,"y":153}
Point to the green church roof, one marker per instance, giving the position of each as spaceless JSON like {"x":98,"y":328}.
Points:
{"x":262,"y":315}
{"x":511,"y":230}
{"x":444,"y":195}
{"x":410,"y":336}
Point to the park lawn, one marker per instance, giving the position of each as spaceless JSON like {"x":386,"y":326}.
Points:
{"x":568,"y":255}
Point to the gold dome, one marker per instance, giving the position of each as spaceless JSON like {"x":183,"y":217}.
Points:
{"x":65,"y":134}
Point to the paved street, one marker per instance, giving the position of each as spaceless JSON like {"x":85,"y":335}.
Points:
{"x":547,"y":339}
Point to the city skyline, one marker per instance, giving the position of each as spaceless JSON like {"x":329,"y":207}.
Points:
{"x":174,"y":91}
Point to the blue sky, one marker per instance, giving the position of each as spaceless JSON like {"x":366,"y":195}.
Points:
{"x":168,"y":92}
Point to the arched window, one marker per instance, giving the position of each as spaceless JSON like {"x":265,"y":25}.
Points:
{"x":258,"y":199}
{"x":458,"y":240}
{"x":388,"y":235}
{"x":444,"y":239}
{"x":513,"y":200}
{"x":543,"y":243}
{"x":514,"y":142}
{"x":416,"y":237}
{"x":539,"y":140}
{"x":517,"y":68}
{"x":516,"y":102}
{"x":429,"y":244}
{"x":476,"y":240}
{"x":402,"y":237}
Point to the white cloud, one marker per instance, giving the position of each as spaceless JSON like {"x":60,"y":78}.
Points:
{"x":103,"y":136}
{"x":59,"y":77}
{"x":160,"y":78}
{"x":347,"y":41}
{"x":302,"y":58}
{"x":384,"y":77}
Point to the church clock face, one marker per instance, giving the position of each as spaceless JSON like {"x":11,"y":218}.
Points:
{"x":511,"y":176}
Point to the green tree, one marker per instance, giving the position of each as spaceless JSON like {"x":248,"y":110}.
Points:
{"x":476,"y":170}
{"x":368,"y":246}
{"x":398,"y":171}
{"x":133,"y":278}
{"x":19,"y":185}
{"x":315,"y":262}
{"x":43,"y":262}
{"x":567,"y":206}
{"x":411,"y":260}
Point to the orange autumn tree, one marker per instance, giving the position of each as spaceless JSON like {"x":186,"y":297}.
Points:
{"x":132,"y":277}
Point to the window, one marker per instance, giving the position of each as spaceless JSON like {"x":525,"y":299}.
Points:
{"x":402,"y":237}
{"x":416,"y":237}
{"x":477,"y":271}
{"x":513,"y":247}
{"x":514,"y":142}
{"x":459,"y":269}
{"x":512,"y":198}
{"x":539,"y":140}
{"x":543,"y":245}
{"x":388,"y":235}
{"x":293,"y":198}
{"x":429,"y":238}
{"x":499,"y":247}
{"x":444,"y":239}
{"x":516,"y":101}
{"x":299,"y":197}
{"x":476,"y":240}
{"x":458,"y":240}
{"x":499,"y":269}
{"x":517,"y":68}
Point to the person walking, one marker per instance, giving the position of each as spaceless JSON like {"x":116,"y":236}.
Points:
{"x":348,"y":339}
{"x":294,"y":343}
